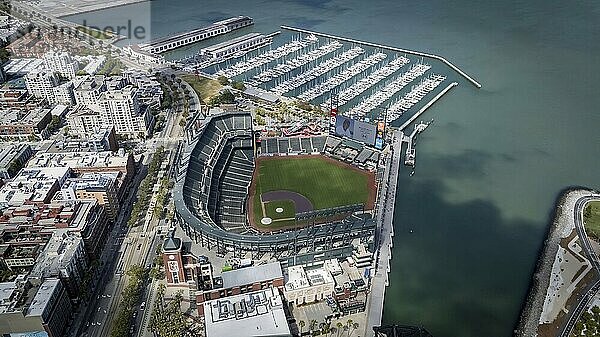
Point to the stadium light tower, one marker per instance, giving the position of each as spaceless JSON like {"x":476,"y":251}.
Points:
{"x":333,"y":111}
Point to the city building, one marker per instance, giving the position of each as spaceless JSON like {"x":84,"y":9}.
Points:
{"x":104,"y":139}
{"x":19,"y":256}
{"x":120,"y":101}
{"x":255,"y":314}
{"x":63,"y":257}
{"x":87,"y":91}
{"x":22,"y":66}
{"x":83,"y":121}
{"x":32,"y":225}
{"x":122,"y":109}
{"x":41,"y":83}
{"x":3,"y":76}
{"x":33,"y":185}
{"x":149,"y":90}
{"x":91,"y":221}
{"x":241,"y":281}
{"x":13,"y":157}
{"x":303,"y":285}
{"x":183,"y":269}
{"x":30,"y":308}
{"x":22,"y":124}
{"x":81,"y":162}
{"x":63,"y":94}
{"x":16,"y":98}
{"x":101,"y":186}
{"x":61,"y":63}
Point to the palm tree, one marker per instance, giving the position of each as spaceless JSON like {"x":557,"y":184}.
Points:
{"x":301,"y":324}
{"x":332,"y":330}
{"x":312,"y":325}
{"x":339,"y":328}
{"x":354,"y":327}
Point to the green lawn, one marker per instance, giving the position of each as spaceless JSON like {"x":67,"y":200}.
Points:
{"x":592,"y":219}
{"x":98,"y":34}
{"x":325,"y":183}
{"x":204,"y":87}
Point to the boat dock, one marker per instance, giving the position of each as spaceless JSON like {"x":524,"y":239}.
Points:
{"x":409,"y":158}
{"x":429,"y":104}
{"x":386,"y":201}
{"x":399,"y":50}
{"x":165,"y":44}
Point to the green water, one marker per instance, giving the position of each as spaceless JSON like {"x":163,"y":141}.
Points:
{"x":490,"y":167}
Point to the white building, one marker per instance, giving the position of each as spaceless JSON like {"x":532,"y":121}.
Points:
{"x":63,"y":94}
{"x":63,"y":257}
{"x":83,"y":121}
{"x":307,"y":285}
{"x":61,"y":63}
{"x":121,"y":109}
{"x":88,"y":91}
{"x":36,"y":185}
{"x":41,"y":84}
{"x":257,"y":314}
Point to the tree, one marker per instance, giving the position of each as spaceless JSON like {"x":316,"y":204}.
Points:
{"x":339,"y":326}
{"x":313,"y":324}
{"x":14,"y":167}
{"x":238,"y":86}
{"x":587,"y":212}
{"x":259,"y":120}
{"x":223,"y":80}
{"x":301,"y":324}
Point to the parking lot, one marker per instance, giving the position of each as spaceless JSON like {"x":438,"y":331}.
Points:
{"x":317,"y":311}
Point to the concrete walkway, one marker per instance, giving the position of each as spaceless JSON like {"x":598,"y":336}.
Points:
{"x":386,"y":202}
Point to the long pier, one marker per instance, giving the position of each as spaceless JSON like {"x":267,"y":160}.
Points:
{"x":429,"y":104}
{"x":400,"y":50}
{"x":179,"y":40}
{"x":385,"y":228}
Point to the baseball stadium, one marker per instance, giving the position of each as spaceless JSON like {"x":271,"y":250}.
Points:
{"x":299,"y":198}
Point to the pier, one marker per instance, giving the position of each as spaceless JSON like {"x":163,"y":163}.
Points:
{"x":399,"y":50}
{"x":186,"y":38}
{"x":429,"y":104}
{"x":409,"y":158}
{"x":386,"y":201}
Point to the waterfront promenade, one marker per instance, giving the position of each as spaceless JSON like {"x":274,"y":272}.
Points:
{"x":385,"y":217}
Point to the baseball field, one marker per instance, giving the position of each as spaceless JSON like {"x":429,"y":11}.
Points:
{"x":284,"y":186}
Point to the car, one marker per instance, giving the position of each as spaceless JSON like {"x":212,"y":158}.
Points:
{"x":143,"y":305}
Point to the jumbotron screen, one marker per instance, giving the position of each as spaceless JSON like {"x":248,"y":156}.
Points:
{"x":354,"y":129}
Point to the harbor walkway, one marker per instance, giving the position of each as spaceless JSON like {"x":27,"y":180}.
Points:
{"x":385,"y":217}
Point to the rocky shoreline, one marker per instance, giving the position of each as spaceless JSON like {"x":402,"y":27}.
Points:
{"x":540,"y":280}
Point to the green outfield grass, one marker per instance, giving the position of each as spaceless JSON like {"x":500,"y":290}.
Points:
{"x":592,"y":219}
{"x":325,"y":183}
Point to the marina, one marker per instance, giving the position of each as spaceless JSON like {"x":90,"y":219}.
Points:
{"x":284,"y":68}
{"x":342,"y":77}
{"x":319,"y":70}
{"x":312,"y":67}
